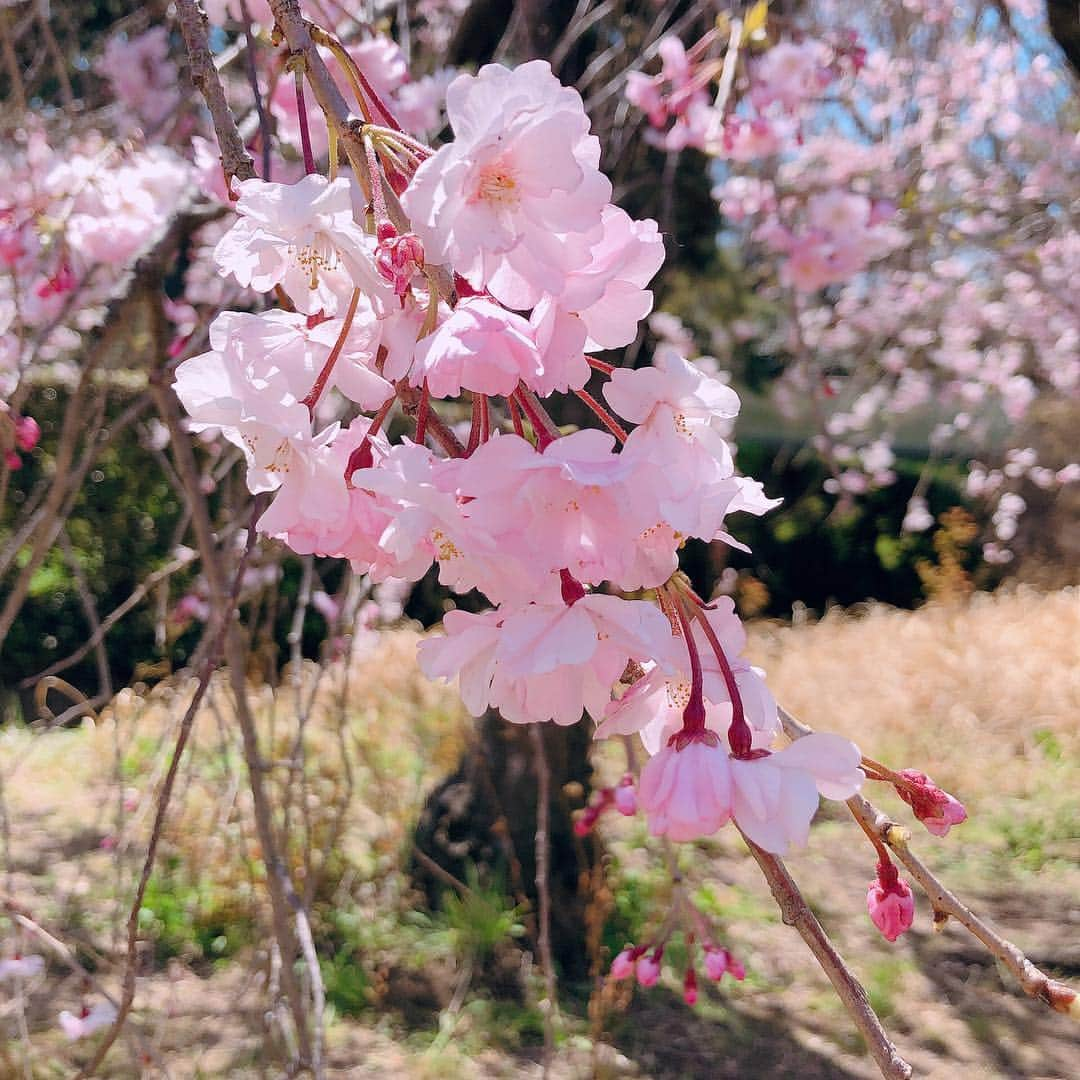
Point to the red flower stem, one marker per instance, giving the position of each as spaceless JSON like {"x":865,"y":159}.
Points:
{"x":474,"y":431}
{"x":879,"y":846}
{"x":603,"y":415}
{"x":356,"y":458}
{"x":738,"y":715}
{"x":305,"y":130}
{"x":543,"y":425}
{"x":319,"y":385}
{"x":599,"y":365}
{"x":515,"y":417}
{"x":485,"y":419}
{"x":694,"y":713}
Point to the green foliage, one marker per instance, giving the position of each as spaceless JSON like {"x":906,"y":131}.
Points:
{"x":192,"y":920}
{"x":346,"y":982}
{"x":480,"y":919}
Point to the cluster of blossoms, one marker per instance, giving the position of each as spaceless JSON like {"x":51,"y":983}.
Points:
{"x":488,"y":273}
{"x":561,"y":533}
{"x":885,"y":224}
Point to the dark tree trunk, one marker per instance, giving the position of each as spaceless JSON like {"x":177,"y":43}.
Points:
{"x":484,"y":815}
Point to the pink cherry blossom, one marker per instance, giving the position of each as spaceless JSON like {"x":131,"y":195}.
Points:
{"x":481,"y":347}
{"x":21,"y":967}
{"x":302,"y":237}
{"x":775,"y":797}
{"x":547,"y":662}
{"x":687,"y":794}
{"x":520,"y":174}
{"x":87,"y":1020}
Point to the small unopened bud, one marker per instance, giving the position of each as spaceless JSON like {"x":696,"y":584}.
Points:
{"x":715,"y":962}
{"x":648,"y":968}
{"x":936,"y":809}
{"x":890,"y":902}
{"x":689,"y":990}
{"x":27,"y":432}
{"x":623,"y":964}
{"x":624,"y":797}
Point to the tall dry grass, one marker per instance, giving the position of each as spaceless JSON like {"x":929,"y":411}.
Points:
{"x":974,"y":693}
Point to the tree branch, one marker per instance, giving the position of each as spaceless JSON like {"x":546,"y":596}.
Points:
{"x":235,"y":159}
{"x":795,"y":912}
{"x":1032,"y":980}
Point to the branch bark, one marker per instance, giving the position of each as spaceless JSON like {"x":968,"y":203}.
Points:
{"x":795,"y":912}
{"x":1034,"y":982}
{"x":235,"y":159}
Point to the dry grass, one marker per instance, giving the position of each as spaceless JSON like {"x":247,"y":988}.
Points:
{"x":970,"y":693}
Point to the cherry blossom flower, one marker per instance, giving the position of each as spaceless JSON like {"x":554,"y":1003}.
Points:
{"x":87,"y":1020}
{"x":21,"y":967}
{"x":520,"y":174}
{"x":687,"y":794}
{"x":480,"y":347}
{"x":775,"y":797}
{"x":302,"y":237}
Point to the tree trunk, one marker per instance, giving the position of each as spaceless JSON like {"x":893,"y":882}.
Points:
{"x":484,"y":816}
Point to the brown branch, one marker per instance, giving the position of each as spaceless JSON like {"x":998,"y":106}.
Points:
{"x":550,"y":1006}
{"x":1035,"y":983}
{"x":235,"y":159}
{"x":795,"y":912}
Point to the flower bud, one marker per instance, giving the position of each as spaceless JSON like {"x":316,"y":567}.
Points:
{"x":648,"y":968}
{"x":623,"y":964}
{"x":715,"y":962}
{"x":689,"y":992}
{"x":890,"y":902}
{"x":936,"y":809}
{"x":624,"y":797}
{"x":27,"y":432}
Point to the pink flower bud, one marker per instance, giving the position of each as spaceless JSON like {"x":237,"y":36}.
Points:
{"x":936,"y":809}
{"x":623,"y":964}
{"x":890,"y":902}
{"x":12,"y":460}
{"x":689,"y":991}
{"x":648,"y":968}
{"x":715,"y":963}
{"x":27,"y":432}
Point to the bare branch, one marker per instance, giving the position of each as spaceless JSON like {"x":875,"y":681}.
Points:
{"x":1035,"y":983}
{"x":796,"y":913}
{"x":235,"y":159}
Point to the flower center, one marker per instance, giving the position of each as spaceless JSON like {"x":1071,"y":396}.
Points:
{"x":498,"y":186}
{"x":316,"y":255}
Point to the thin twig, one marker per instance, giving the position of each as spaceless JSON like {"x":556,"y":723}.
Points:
{"x":796,"y":912}
{"x":1033,"y":982}
{"x":549,"y":1008}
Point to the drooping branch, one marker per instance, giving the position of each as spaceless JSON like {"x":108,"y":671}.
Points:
{"x":796,"y":913}
{"x":1032,"y":980}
